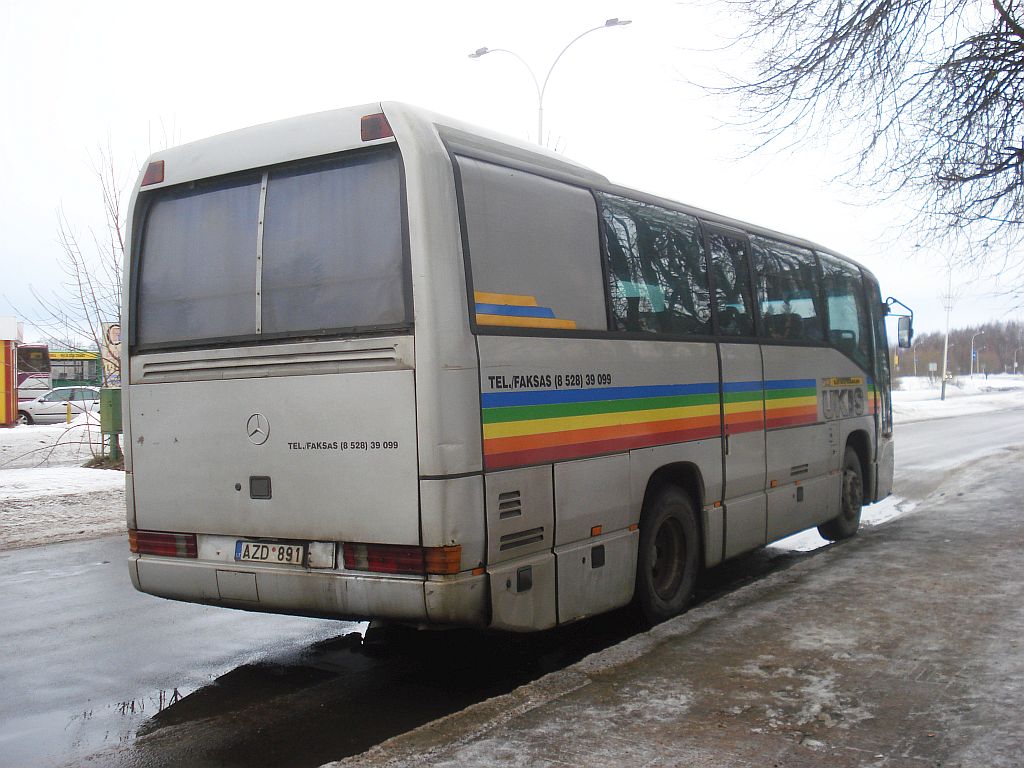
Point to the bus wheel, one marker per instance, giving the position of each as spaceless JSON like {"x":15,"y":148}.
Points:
{"x":24,"y":418}
{"x":846,"y":523}
{"x":668,"y":559}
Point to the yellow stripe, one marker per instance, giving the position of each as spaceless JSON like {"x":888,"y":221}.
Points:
{"x":515,"y":300}
{"x":743,"y":407}
{"x":525,"y":322}
{"x":565,"y":423}
{"x":790,"y":402}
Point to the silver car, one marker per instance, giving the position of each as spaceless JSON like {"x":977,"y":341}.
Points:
{"x":52,"y":407}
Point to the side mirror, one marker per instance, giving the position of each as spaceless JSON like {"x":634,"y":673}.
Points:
{"x":906,"y":332}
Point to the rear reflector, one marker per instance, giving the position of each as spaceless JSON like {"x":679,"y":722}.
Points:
{"x":154,"y":173}
{"x":160,"y":543}
{"x":401,"y":559}
{"x":373,"y":127}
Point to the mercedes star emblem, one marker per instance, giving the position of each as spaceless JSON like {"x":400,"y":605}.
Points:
{"x":258,"y":429}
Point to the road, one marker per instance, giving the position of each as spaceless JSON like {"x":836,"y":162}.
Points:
{"x":103,"y":672}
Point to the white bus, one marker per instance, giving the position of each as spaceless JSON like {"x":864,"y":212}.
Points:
{"x":384,"y":365}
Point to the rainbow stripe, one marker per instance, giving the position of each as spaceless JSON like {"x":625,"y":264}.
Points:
{"x":542,"y":426}
{"x":790,"y":403}
{"x":744,"y":407}
{"x":535,"y":427}
{"x":517,"y":311}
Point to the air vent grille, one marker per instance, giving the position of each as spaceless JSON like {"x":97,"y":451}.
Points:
{"x":510,"y":504}
{"x":300,"y":359}
{"x":521,"y":538}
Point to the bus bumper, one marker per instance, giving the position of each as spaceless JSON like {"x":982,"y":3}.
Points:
{"x":460,"y":600}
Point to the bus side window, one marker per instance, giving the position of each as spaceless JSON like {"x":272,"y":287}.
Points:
{"x":729,"y":261}
{"x":787,"y":291}
{"x":534,"y":252}
{"x":658,"y":275}
{"x":848,"y":323}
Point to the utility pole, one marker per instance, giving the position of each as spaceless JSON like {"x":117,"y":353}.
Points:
{"x":947,"y":303}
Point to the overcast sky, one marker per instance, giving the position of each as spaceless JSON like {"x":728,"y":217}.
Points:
{"x":136,"y":76}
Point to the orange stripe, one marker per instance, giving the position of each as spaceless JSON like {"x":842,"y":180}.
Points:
{"x":801,"y":410}
{"x":739,"y":418}
{"x":594,"y":434}
{"x":525,"y":322}
{"x":509,"y":299}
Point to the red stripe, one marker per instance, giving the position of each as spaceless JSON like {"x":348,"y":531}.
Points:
{"x":581,"y":450}
{"x":744,"y":426}
{"x":791,"y":421}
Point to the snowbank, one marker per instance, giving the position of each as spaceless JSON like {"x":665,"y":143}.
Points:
{"x":918,"y":398}
{"x":46,"y":495}
{"x":50,"y":504}
{"x":51,"y":445}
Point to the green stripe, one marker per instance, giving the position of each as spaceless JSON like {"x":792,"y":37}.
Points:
{"x":782,"y":394}
{"x":561,"y":410}
{"x":770,"y":394}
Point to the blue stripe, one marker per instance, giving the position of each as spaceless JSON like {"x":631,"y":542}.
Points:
{"x":547,"y":397}
{"x":509,"y":310}
{"x":790,"y":383}
{"x":743,"y":386}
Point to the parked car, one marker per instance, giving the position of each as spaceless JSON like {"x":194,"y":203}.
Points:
{"x":52,"y":407}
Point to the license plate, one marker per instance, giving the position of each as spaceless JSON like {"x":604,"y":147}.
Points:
{"x":270,"y":552}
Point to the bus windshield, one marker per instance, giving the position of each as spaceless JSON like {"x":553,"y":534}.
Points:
{"x":306,"y":249}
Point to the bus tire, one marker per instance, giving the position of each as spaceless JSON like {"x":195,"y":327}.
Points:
{"x":668,"y":557}
{"x":851,"y":501}
{"x":24,"y":418}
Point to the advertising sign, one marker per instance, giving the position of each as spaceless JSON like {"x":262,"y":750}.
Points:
{"x":111,"y":353}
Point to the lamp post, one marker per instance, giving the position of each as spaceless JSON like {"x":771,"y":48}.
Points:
{"x":1018,"y":349}
{"x":948,"y":300}
{"x":542,"y":87}
{"x":979,"y":333}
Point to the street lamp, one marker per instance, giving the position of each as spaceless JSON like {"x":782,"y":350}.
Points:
{"x":541,"y":88}
{"x":979,"y":333}
{"x":1018,"y":349}
{"x":948,"y":300}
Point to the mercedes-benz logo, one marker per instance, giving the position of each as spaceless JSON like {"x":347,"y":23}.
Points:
{"x":258,"y":429}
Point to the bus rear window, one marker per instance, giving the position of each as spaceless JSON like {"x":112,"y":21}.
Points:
{"x":331,"y":256}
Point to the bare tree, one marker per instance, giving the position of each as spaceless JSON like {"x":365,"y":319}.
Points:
{"x":74,"y":315}
{"x":931,"y":92}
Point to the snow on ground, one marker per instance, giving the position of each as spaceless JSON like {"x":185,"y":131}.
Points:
{"x":47,"y":505}
{"x":876,"y":514}
{"x":46,"y":496}
{"x":917,"y":398}
{"x":51,"y":445}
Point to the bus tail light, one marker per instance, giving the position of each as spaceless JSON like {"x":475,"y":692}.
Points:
{"x":161,"y":543}
{"x":154,"y":173}
{"x":373,"y":127}
{"x":402,"y":559}
{"x":443,"y":561}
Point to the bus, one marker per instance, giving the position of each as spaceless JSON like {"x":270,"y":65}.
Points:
{"x":75,"y":368}
{"x":34,"y":375}
{"x":385,"y":365}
